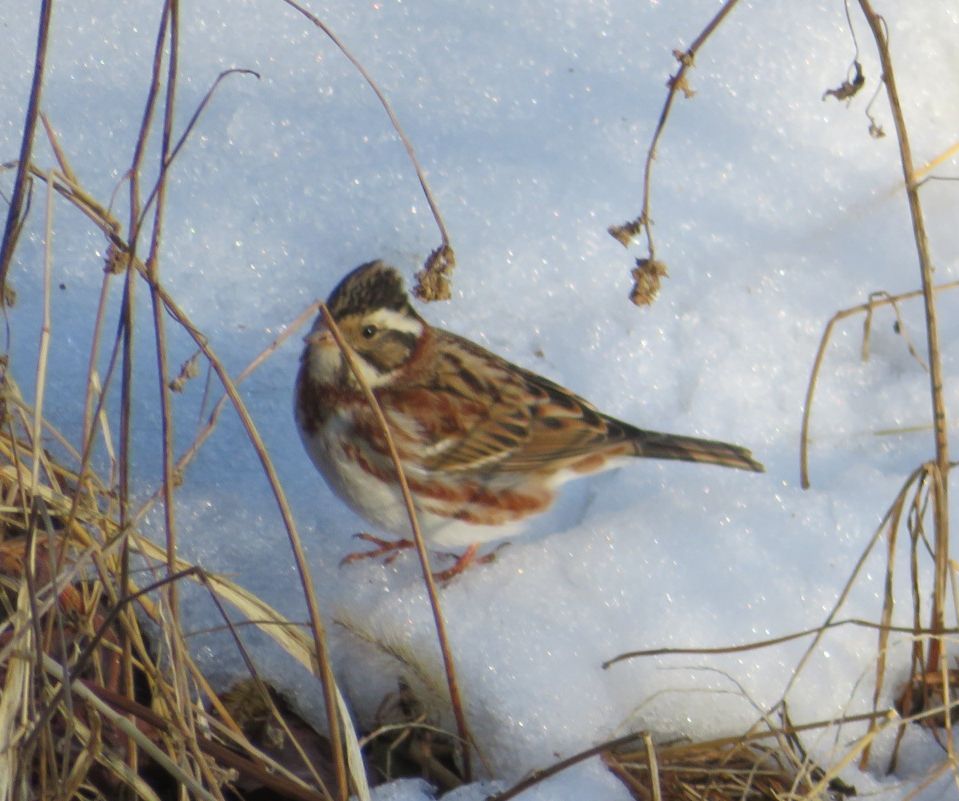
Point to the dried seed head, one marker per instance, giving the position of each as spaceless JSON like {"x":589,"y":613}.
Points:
{"x":647,"y":275}
{"x":433,"y":281}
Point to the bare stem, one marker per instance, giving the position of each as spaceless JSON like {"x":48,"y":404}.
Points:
{"x":941,"y":486}
{"x":643,"y":223}
{"x":323,"y":667}
{"x":448,"y":663}
{"x":394,"y":120}
{"x":538,"y":776}
{"x":863,"y":308}
{"x":12,"y":226}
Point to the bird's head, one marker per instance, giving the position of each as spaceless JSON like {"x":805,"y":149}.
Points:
{"x":382,"y":329}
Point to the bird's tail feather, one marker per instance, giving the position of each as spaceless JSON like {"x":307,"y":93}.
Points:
{"x":653,"y":445}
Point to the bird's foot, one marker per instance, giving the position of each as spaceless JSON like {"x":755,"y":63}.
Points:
{"x":462,"y":562}
{"x":468,"y":558}
{"x":388,"y":548}
{"x":391,"y":549}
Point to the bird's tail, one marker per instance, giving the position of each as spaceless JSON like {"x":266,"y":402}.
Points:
{"x":653,"y":445}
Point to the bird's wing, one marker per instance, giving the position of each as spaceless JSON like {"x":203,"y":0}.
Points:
{"x":563,"y":429}
{"x":478,"y":412}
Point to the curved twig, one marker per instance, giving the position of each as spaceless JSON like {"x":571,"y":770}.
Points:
{"x":441,"y":260}
{"x":772,"y":641}
{"x":538,"y":776}
{"x":891,"y":513}
{"x":450,"y":667}
{"x":627,"y":232}
{"x":941,"y":506}
{"x":863,"y":308}
{"x":171,"y":153}
{"x":323,"y":667}
{"x":12,"y":226}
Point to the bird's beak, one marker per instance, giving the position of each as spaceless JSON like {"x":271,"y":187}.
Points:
{"x":321,"y":337}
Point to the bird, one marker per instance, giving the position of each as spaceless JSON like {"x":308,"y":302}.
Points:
{"x":484,"y":443}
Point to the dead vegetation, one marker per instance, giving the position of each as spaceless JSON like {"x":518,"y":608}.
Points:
{"x":100,"y":695}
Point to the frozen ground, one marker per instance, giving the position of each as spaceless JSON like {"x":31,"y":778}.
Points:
{"x":773,"y":210}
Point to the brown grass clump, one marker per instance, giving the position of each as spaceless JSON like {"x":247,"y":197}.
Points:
{"x":723,"y":771}
{"x":90,"y":704}
{"x":99,"y":695}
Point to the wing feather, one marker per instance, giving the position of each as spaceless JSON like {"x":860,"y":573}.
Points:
{"x":489,"y":413}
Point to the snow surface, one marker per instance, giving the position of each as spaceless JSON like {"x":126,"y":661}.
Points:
{"x":773,"y":209}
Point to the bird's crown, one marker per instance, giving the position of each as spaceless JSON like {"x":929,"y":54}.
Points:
{"x":371,"y":286}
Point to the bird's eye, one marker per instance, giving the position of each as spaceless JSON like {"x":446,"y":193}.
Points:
{"x":369,"y":331}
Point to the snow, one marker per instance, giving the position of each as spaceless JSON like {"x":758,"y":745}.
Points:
{"x":773,"y":210}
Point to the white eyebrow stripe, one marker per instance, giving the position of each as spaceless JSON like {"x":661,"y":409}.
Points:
{"x":394,"y":321}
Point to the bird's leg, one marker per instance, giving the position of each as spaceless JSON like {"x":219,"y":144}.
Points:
{"x":388,"y":548}
{"x":391,"y":549}
{"x":468,"y":557}
{"x":473,"y":559}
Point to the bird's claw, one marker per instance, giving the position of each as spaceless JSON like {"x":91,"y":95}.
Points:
{"x":388,"y":548}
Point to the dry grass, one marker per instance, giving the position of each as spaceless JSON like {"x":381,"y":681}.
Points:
{"x":101,"y":691}
{"x":101,"y":697}
{"x":746,"y":770}
{"x":92,"y":699}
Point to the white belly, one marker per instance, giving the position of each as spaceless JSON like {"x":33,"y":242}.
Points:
{"x":380,"y":503}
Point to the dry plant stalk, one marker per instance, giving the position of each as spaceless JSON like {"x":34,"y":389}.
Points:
{"x":83,"y":718}
{"x":741,"y":767}
{"x":876,"y":300}
{"x":448,"y":663}
{"x":11,"y":231}
{"x":931,"y":680}
{"x":648,"y":271}
{"x":109,"y":552}
{"x":433,"y":279}
{"x":703,"y":772}
{"x":941,"y":485}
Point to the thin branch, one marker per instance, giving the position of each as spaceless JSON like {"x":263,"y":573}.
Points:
{"x":323,"y":667}
{"x":125,"y":333}
{"x":170,"y":154}
{"x":768,"y":643}
{"x":45,"y":328}
{"x":451,"y":679}
{"x":941,"y":486}
{"x":538,"y":776}
{"x":183,"y":710}
{"x":434,"y":279}
{"x":58,"y":153}
{"x":841,"y":600}
{"x":394,"y":120}
{"x":642,"y":224}
{"x":12,"y":227}
{"x":159,"y":327}
{"x":863,"y":308}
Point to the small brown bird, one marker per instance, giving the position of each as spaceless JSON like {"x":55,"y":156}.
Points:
{"x":483,"y":442}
